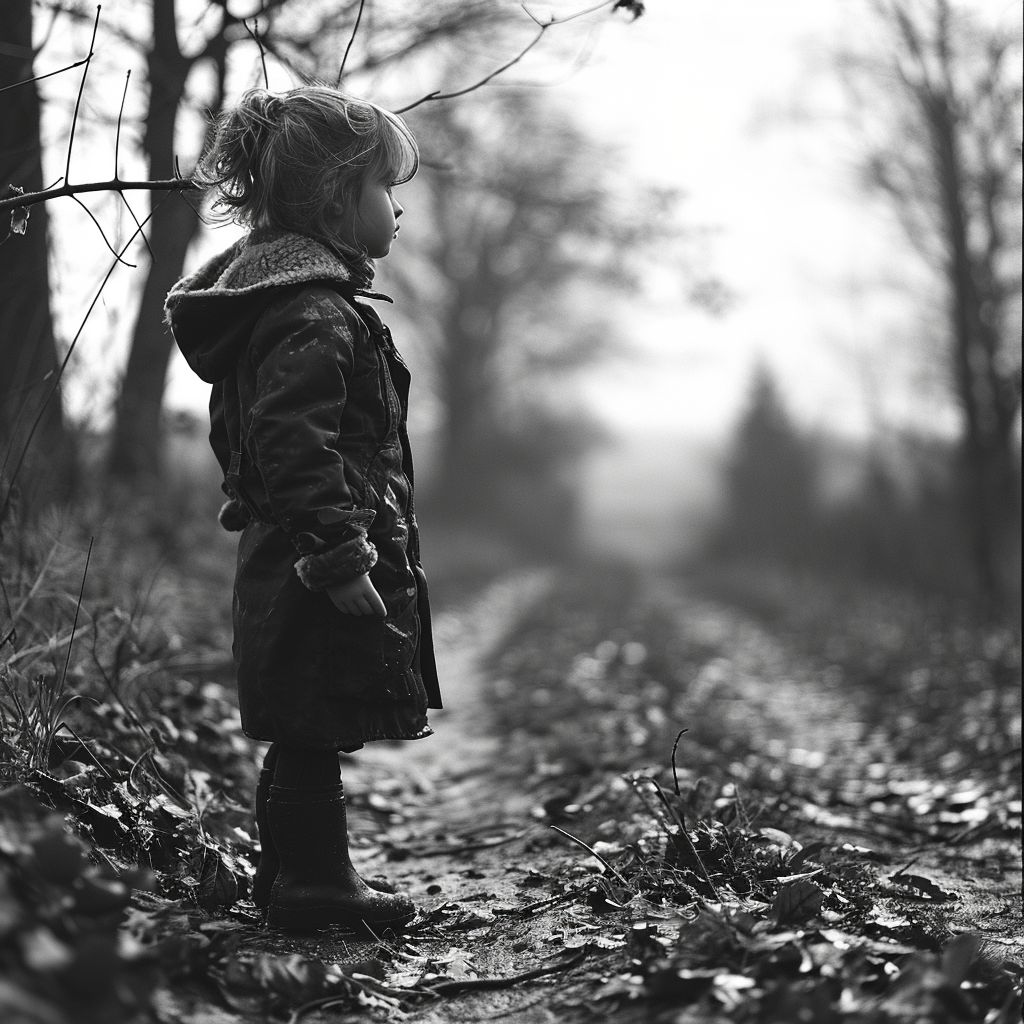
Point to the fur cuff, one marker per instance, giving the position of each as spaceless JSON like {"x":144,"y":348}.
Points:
{"x":345,"y":562}
{"x":234,"y":516}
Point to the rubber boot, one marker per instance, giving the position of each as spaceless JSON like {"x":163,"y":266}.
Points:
{"x":316,"y":884}
{"x":269,"y":862}
{"x":266,"y":869}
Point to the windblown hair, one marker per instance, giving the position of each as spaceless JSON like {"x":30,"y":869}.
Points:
{"x":296,"y":160}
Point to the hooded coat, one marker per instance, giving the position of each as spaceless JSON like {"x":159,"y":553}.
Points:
{"x":308,"y":421}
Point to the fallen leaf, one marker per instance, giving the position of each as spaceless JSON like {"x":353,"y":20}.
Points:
{"x":797,"y":901}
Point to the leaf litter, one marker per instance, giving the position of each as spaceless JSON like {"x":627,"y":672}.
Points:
{"x":724,"y":875}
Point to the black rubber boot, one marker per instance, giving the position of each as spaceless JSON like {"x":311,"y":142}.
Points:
{"x":266,"y":869}
{"x":316,"y":884}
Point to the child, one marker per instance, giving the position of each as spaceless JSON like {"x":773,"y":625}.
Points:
{"x":331,"y":623}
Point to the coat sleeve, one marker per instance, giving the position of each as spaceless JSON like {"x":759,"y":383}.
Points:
{"x":304,"y":350}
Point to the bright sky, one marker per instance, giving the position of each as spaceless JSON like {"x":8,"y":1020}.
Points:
{"x":703,"y":96}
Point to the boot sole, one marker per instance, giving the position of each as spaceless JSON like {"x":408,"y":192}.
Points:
{"x":315,"y":918}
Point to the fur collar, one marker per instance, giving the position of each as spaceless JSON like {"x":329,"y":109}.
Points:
{"x":268,"y":258}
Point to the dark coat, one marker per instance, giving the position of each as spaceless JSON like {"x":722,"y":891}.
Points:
{"x":308,"y":421}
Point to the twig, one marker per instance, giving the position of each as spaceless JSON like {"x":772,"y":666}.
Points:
{"x":675,"y":773}
{"x":450,"y":988}
{"x":49,"y":74}
{"x":254,"y":34}
{"x":579,"y":842}
{"x":552,"y":901}
{"x":438,"y":95}
{"x":99,"y":228}
{"x":145,"y":237}
{"x":81,"y":89}
{"x":542,"y":26}
{"x":120,"y":112}
{"x":480,"y":844}
{"x":351,"y":40}
{"x":113,"y":185}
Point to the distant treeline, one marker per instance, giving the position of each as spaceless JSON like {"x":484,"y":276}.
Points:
{"x":899,"y":515}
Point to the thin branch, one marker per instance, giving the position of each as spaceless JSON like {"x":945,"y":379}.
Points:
{"x":542,"y":27}
{"x":593,"y":853}
{"x":63,"y":366}
{"x":103,"y":235}
{"x":49,"y":74}
{"x":81,"y":89}
{"x":438,"y":95}
{"x":145,"y":238}
{"x":114,"y":185}
{"x":351,"y":40}
{"x":120,"y":112}
{"x":254,"y":34}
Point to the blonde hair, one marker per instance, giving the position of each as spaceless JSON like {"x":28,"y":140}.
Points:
{"x":294,"y":161}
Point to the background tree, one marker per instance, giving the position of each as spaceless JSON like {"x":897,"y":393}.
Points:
{"x":525,"y":236}
{"x":948,"y":160}
{"x":28,"y":353}
{"x":771,"y":482}
{"x":188,"y":53}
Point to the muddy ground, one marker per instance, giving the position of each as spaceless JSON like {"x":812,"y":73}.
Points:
{"x":839,"y":839}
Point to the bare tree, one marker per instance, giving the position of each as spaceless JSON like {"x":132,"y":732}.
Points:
{"x":950,"y":164}
{"x":28,"y":353}
{"x":524,"y":238}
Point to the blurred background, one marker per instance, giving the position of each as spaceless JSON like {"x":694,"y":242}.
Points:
{"x":733,"y":288}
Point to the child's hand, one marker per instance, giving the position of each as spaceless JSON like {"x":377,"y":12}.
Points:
{"x":357,"y":597}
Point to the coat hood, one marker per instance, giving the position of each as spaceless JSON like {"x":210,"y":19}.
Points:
{"x":212,"y":312}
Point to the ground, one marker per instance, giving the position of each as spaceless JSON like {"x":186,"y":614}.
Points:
{"x":849,"y":789}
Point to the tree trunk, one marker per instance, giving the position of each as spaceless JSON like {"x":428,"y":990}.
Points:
{"x":988,"y":408}
{"x":28,"y":353}
{"x":136,"y":448}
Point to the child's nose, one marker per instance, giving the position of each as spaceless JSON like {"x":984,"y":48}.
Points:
{"x":397,"y":207}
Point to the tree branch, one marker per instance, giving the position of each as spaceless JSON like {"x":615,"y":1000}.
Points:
{"x":113,"y":185}
{"x":81,"y":89}
{"x":351,"y":40}
{"x":543,"y":26}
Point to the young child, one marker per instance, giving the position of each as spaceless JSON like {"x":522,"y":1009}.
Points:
{"x":331,"y":623}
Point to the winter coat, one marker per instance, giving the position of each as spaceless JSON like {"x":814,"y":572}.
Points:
{"x":308,"y":421}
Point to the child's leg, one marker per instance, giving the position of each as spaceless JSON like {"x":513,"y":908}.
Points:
{"x":296,"y":768}
{"x":316,"y":883}
{"x":266,"y":869}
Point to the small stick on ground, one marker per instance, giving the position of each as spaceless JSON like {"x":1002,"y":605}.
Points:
{"x":592,"y":853}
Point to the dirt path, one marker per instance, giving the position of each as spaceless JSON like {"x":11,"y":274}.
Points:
{"x":453,"y":769}
{"x":450,"y":820}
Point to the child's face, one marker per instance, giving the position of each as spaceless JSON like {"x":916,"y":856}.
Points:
{"x":372,"y":224}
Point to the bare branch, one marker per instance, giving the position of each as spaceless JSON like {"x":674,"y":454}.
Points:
{"x":81,"y":89}
{"x":114,"y":185}
{"x":254,"y":34}
{"x":120,"y":112}
{"x":438,"y":95}
{"x":543,"y":26}
{"x":351,"y":40}
{"x":145,"y":238}
{"x":103,"y":235}
{"x":49,"y":74}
